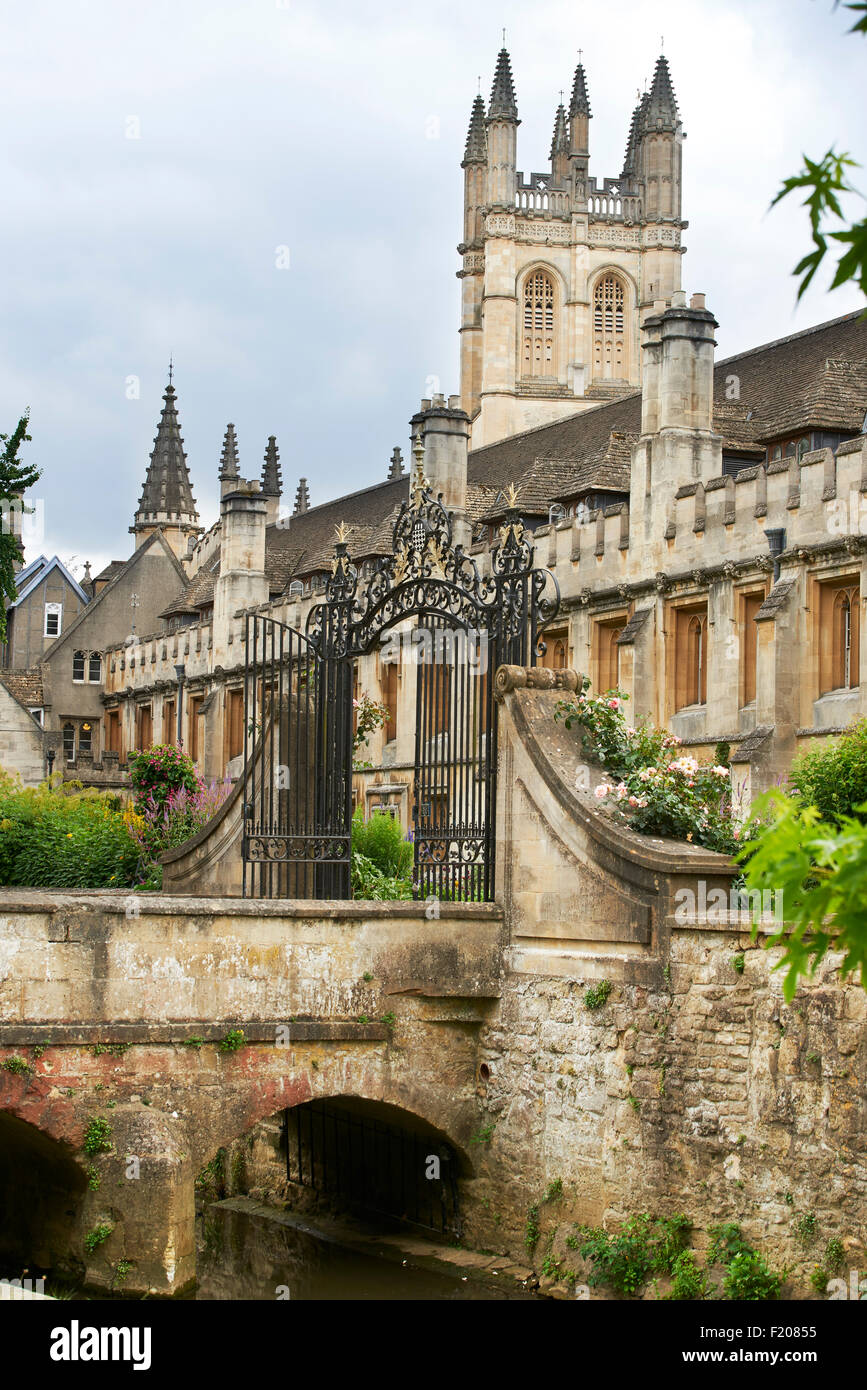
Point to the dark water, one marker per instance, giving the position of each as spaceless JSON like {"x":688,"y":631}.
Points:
{"x":244,"y":1255}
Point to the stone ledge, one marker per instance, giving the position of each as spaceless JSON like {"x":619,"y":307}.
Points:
{"x":113,"y":901}
{"x":128,"y":1034}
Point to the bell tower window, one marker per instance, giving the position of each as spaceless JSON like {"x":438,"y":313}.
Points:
{"x":537,"y":351}
{"x":609,"y":330}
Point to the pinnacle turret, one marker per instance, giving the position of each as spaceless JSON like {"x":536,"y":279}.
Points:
{"x":476,"y":151}
{"x":560,"y":139}
{"x":660,"y":111}
{"x":229,"y":468}
{"x":580,"y":103}
{"x":167,"y":499}
{"x":272,"y":482}
{"x":302,"y":498}
{"x":395,"y":469}
{"x":503,"y":105}
{"x":630,"y":159}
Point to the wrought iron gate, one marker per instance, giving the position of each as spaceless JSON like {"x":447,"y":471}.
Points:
{"x":297,"y":765}
{"x":454,"y":626}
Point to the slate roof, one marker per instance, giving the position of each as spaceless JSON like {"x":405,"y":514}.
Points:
{"x":814,"y":379}
{"x":24,"y":686}
{"x":111,"y":571}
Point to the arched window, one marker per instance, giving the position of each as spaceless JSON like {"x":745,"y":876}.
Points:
{"x":78,"y":666}
{"x":697,"y":659}
{"x":69,"y":742}
{"x":94,"y":667}
{"x":609,"y":330}
{"x":85,"y":738}
{"x":537,"y":356}
{"x":846,"y":643}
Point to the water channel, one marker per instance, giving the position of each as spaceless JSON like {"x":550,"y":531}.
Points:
{"x":250,"y":1256}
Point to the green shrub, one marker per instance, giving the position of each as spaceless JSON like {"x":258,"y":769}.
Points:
{"x":159,"y":770}
{"x":233,"y":1041}
{"x":834,"y":777}
{"x":380,"y":839}
{"x":688,"y":1281}
{"x":97,"y":1236}
{"x":645,"y":1245}
{"x":97,"y":1137}
{"x":371,"y":884}
{"x":749,"y":1279}
{"x":596,"y":996}
{"x":55,"y":838}
{"x":834,"y":1255}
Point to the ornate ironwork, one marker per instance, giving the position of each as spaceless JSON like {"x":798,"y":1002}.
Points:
{"x":427,"y":574}
{"x":304,"y":699}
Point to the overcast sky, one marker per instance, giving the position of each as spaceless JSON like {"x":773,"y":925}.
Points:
{"x":336,"y":130}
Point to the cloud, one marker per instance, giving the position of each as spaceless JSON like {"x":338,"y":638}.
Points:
{"x":338,"y":131}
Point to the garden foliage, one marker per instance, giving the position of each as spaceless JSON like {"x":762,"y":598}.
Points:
{"x":653,"y":788}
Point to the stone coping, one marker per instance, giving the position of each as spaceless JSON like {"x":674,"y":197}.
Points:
{"x":108,"y":1034}
{"x":113,"y":901}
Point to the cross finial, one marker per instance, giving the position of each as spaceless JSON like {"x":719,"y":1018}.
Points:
{"x":561,"y":96}
{"x":580,"y":52}
{"x":504,"y":38}
{"x":661,"y":42}
{"x":170,"y":371}
{"x":479,"y":79}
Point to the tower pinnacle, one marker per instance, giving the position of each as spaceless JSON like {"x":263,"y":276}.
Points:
{"x":167,"y":501}
{"x":503,"y":105}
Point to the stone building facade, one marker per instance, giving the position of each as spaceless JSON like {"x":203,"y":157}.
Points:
{"x":559,"y":270}
{"x":705,"y":522}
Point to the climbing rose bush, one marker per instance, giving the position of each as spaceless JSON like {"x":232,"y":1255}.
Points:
{"x":160,"y":770}
{"x":652,"y":787}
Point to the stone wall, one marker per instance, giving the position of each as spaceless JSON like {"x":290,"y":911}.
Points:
{"x":691,"y":1087}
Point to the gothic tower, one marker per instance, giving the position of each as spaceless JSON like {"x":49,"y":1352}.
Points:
{"x":167,"y":502}
{"x":559,"y":270}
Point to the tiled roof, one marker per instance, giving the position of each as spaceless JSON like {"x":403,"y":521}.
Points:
{"x":24,"y":686}
{"x":815,"y":379}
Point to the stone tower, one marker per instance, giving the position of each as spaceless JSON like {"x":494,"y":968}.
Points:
{"x":167,"y":502}
{"x":560,"y":269}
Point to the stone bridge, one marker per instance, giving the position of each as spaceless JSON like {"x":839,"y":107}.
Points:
{"x":689,"y":1087}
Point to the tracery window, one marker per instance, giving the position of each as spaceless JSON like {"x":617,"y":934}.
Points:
{"x":78,"y":666}
{"x":537,"y":355}
{"x":94,"y":667}
{"x":609,"y":329}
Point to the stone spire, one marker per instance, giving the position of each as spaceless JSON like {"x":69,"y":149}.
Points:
{"x":476,"y":151}
{"x":395,"y":469}
{"x":660,"y":111}
{"x":503,"y":105}
{"x":302,"y":498}
{"x":272,"y":481}
{"x":229,"y":469}
{"x":630,"y":160}
{"x":560,"y":139}
{"x":167,"y":501}
{"x":580,"y":103}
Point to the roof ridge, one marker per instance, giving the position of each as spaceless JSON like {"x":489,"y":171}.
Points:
{"x":790,"y":337}
{"x":561,"y":420}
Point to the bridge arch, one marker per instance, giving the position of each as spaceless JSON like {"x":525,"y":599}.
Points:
{"x":42,"y":1192}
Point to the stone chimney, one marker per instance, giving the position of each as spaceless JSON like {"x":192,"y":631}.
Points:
{"x":445,"y":430}
{"x":241,"y":582}
{"x":677,"y":444}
